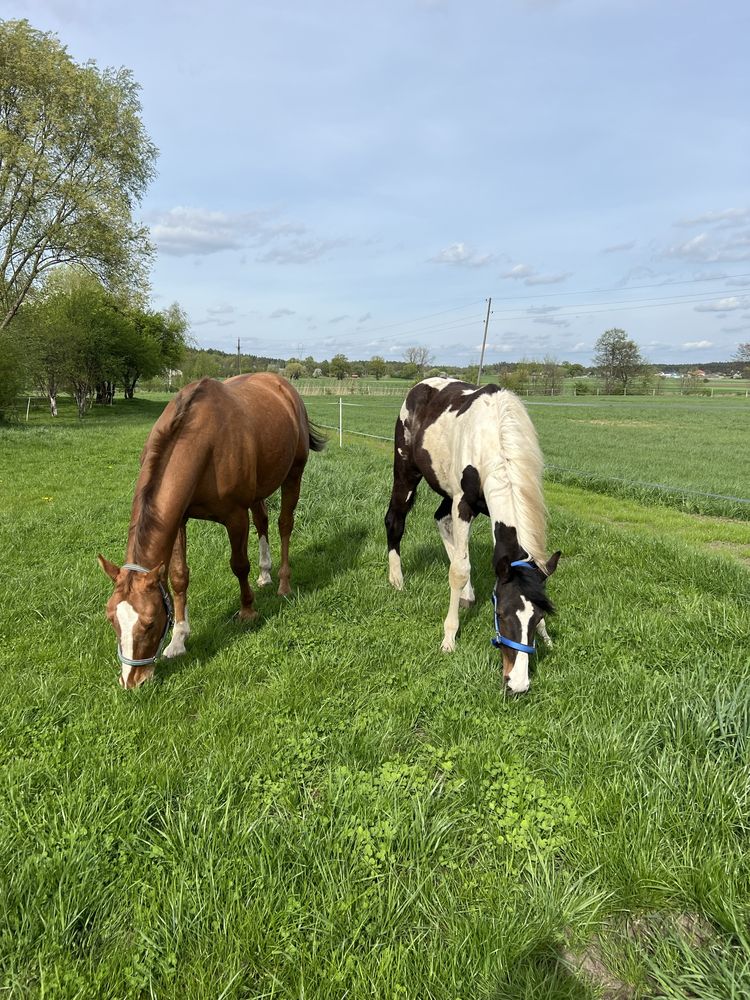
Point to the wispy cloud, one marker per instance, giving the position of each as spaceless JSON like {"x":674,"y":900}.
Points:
{"x":529,"y":275}
{"x":708,"y":247}
{"x":726,"y":217}
{"x":223,"y":309}
{"x":730,"y":304}
{"x":619,"y":247}
{"x":697,"y":344}
{"x":183,"y":231}
{"x":460,"y":253}
{"x":281,"y":313}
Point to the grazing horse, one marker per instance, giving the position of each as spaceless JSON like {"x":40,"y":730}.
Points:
{"x":478,"y":449}
{"x":217,"y":450}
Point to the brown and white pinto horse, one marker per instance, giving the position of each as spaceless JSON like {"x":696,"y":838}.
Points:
{"x":217,"y":450}
{"x":478,"y":449}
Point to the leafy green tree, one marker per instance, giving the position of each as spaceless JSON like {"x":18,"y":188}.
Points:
{"x":74,"y":160}
{"x":377,"y":367}
{"x":294,"y":370}
{"x":339,"y":366}
{"x":618,"y":359}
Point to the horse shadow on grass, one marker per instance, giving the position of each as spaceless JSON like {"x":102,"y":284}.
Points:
{"x":543,"y":974}
{"x":314,"y":567}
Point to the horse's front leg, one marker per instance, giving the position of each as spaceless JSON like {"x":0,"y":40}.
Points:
{"x":459,"y":575}
{"x":260,"y":520}
{"x":179,"y":577}
{"x":238,"y":529}
{"x":406,"y":478}
{"x":444,"y":521}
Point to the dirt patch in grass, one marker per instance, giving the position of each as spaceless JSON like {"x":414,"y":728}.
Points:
{"x":622,"y":939}
{"x":740,"y":552}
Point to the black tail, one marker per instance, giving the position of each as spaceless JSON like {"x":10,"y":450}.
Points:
{"x":317,"y":439}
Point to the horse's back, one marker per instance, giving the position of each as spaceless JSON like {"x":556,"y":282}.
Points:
{"x":449,"y":425}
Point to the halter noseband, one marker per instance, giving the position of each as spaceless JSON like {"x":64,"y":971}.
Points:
{"x":167,"y":624}
{"x":500,"y":640}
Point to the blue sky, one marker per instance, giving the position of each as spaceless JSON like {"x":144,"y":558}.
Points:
{"x":360,"y":176}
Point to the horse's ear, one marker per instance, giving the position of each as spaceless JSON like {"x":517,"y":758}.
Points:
{"x":502,"y":569}
{"x":109,"y":568}
{"x":552,"y":562}
{"x":157,"y":575}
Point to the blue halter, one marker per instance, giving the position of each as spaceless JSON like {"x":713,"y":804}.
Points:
{"x":167,"y":624}
{"x":500,"y":640}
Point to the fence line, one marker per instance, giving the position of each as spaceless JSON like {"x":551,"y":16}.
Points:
{"x":664,"y":487}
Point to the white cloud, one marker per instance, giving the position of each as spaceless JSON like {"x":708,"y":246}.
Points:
{"x":281,"y":313}
{"x":706,"y":247}
{"x":730,"y":304}
{"x":689,"y":344}
{"x":519,"y":271}
{"x":460,"y":253}
{"x":182,"y":231}
{"x":299,"y":251}
{"x":529,"y":276}
{"x":221,"y":310}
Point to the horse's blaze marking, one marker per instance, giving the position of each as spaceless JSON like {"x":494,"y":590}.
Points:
{"x":518,"y":678}
{"x":127,"y":619}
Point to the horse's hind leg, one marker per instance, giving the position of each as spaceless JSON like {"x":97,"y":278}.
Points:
{"x":179,"y":577}
{"x":260,"y":520}
{"x":289,"y":496}
{"x":238,"y":529}
{"x":444,"y":521}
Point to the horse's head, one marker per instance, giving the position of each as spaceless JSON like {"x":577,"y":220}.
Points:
{"x":140,"y":611}
{"x":521,"y":604}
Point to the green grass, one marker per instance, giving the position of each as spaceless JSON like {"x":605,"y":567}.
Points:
{"x":324,"y":805}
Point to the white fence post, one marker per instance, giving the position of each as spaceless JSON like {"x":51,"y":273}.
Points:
{"x":341,"y":422}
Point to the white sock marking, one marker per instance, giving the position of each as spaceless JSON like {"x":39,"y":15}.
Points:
{"x":395,"y":576}
{"x":264,"y":558}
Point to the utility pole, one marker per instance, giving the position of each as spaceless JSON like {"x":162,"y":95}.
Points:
{"x":239,"y":364}
{"x":484,"y":340}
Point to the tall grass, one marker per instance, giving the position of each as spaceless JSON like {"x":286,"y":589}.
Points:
{"x":324,"y":805}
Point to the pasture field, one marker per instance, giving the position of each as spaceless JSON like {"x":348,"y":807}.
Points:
{"x":321,"y":804}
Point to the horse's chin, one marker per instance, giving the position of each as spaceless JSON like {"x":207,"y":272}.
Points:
{"x":133,"y":677}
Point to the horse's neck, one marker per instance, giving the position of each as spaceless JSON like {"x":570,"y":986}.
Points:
{"x":161,"y":498}
{"x":507,"y":505}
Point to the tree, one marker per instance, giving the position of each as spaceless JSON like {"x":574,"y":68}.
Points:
{"x":294,"y":370}
{"x":743,"y":354}
{"x":74,"y":160}
{"x":419,"y":356}
{"x":618,"y":358}
{"x":339,"y":366}
{"x":377,"y":367}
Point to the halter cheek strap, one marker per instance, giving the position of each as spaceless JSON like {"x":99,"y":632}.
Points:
{"x":167,"y":624}
{"x":500,"y":640}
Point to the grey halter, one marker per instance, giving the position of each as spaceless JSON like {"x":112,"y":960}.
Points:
{"x":167,"y":625}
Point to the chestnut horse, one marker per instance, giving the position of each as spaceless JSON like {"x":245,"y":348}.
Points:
{"x":218,"y":450}
{"x":478,"y":449}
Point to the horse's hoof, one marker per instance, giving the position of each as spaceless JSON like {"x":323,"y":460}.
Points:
{"x":248,"y":614}
{"x":263,"y":580}
{"x":284,"y":591}
{"x":448,"y":645}
{"x":466,"y":602}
